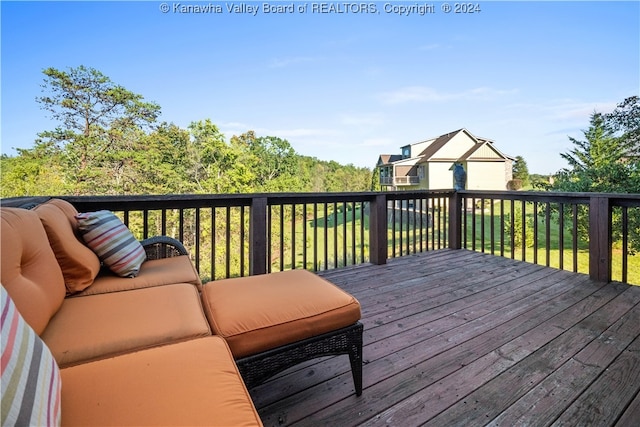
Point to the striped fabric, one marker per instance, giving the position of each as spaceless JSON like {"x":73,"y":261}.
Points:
{"x":112,"y":241}
{"x":30,"y":376}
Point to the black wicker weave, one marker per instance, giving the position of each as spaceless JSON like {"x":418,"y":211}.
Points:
{"x":163,"y":247}
{"x":257,"y":368}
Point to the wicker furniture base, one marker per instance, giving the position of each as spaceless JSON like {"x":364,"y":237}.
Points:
{"x":259,"y":367}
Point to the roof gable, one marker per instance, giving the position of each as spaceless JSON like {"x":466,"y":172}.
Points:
{"x":481,"y":151}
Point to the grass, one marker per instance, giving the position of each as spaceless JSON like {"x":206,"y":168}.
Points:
{"x":326,"y":244}
{"x":535,"y":250}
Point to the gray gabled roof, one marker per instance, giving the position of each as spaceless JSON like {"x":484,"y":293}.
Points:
{"x":386,"y":159}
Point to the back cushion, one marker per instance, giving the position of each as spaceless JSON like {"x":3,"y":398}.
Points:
{"x":29,"y":270}
{"x":79,"y":264}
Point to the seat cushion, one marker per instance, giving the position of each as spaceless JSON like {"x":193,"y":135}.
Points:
{"x":261,"y":312}
{"x":156,"y":272}
{"x":190,"y":383}
{"x":79,"y":264}
{"x":28,"y":268}
{"x":30,"y":377}
{"x":99,"y":326}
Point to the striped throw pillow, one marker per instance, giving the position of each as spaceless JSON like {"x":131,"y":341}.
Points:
{"x":30,"y":376}
{"x":112,"y":241}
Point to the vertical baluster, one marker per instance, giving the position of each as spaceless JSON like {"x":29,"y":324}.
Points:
{"x":326,"y":237}
{"x":304,"y":236}
{"x":293,"y":236}
{"x":625,"y":243}
{"x":353,"y":233}
{"x":473,"y":224}
{"x":547,"y":233}
{"x":228,"y":243}
{"x":335,"y":234}
{"x":197,"y":239}
{"x":242,"y":240}
{"x":502,"y":227}
{"x":482,"y":231}
{"x":513,"y":229}
{"x":315,"y":236}
{"x":281,"y":255}
{"x":575,"y":238}
{"x":344,"y":233}
{"x":524,"y":230}
{"x":561,"y":235}
{"x":213,"y":243}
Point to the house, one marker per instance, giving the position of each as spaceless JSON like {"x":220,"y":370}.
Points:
{"x":428,"y":165}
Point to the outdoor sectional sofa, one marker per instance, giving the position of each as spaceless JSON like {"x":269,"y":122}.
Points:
{"x":82,"y":345}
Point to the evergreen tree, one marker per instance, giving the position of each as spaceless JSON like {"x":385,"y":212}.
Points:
{"x":521,"y":172}
{"x":607,"y":162}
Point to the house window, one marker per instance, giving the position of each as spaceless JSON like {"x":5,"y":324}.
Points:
{"x":405,"y":152}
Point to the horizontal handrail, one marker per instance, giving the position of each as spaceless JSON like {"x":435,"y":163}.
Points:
{"x":240,"y":234}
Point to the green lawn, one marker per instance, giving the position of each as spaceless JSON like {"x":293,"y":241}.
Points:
{"x":327,"y":243}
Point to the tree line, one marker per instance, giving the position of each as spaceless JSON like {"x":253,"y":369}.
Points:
{"x":108,"y":141}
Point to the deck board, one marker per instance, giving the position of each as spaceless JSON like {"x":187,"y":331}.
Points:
{"x":455,"y":337}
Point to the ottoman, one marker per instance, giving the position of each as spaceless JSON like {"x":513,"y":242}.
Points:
{"x":274,"y":321}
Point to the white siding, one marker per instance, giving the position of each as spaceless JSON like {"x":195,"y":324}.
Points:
{"x":485,"y":152}
{"x":440,"y":177}
{"x":456,"y":147}
{"x":486,"y":176}
{"x":418,"y":148}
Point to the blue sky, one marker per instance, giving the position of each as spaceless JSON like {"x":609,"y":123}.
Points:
{"x":339,"y":86}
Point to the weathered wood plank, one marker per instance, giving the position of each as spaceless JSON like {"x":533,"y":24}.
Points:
{"x":454,"y":337}
{"x":402,"y":373}
{"x":631,"y":414}
{"x":609,"y":395}
{"x":489,"y":400}
{"x":549,"y":398}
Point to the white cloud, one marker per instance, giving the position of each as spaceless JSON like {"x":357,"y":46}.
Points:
{"x":370,"y":119}
{"x":429,"y":94}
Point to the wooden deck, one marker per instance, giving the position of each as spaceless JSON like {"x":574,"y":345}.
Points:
{"x":458,"y":338}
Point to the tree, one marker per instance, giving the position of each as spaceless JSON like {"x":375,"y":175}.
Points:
{"x":521,"y":171}
{"x":602,"y":162}
{"x":272,"y":161}
{"x":375,"y":180}
{"x":210,"y":158}
{"x":606,"y":161}
{"x":625,"y":120}
{"x":96,"y":118}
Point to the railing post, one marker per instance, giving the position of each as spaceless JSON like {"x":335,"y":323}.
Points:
{"x":378,"y":239}
{"x":455,"y":221}
{"x":258,"y":236}
{"x":600,"y":239}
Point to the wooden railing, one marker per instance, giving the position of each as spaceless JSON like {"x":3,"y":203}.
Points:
{"x":237,"y":235}
{"x":400,"y":180}
{"x":581,"y":232}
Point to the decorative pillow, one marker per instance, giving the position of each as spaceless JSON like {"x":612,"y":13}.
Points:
{"x":112,"y":241}
{"x":30,"y":376}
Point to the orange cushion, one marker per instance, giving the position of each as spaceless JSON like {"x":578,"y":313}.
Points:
{"x":100,"y":326}
{"x":79,"y":264}
{"x":261,"y":312}
{"x":154,"y":272}
{"x":29,"y":270}
{"x":190,"y":383}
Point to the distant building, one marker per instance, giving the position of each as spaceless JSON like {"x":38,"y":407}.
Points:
{"x":429,"y":164}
